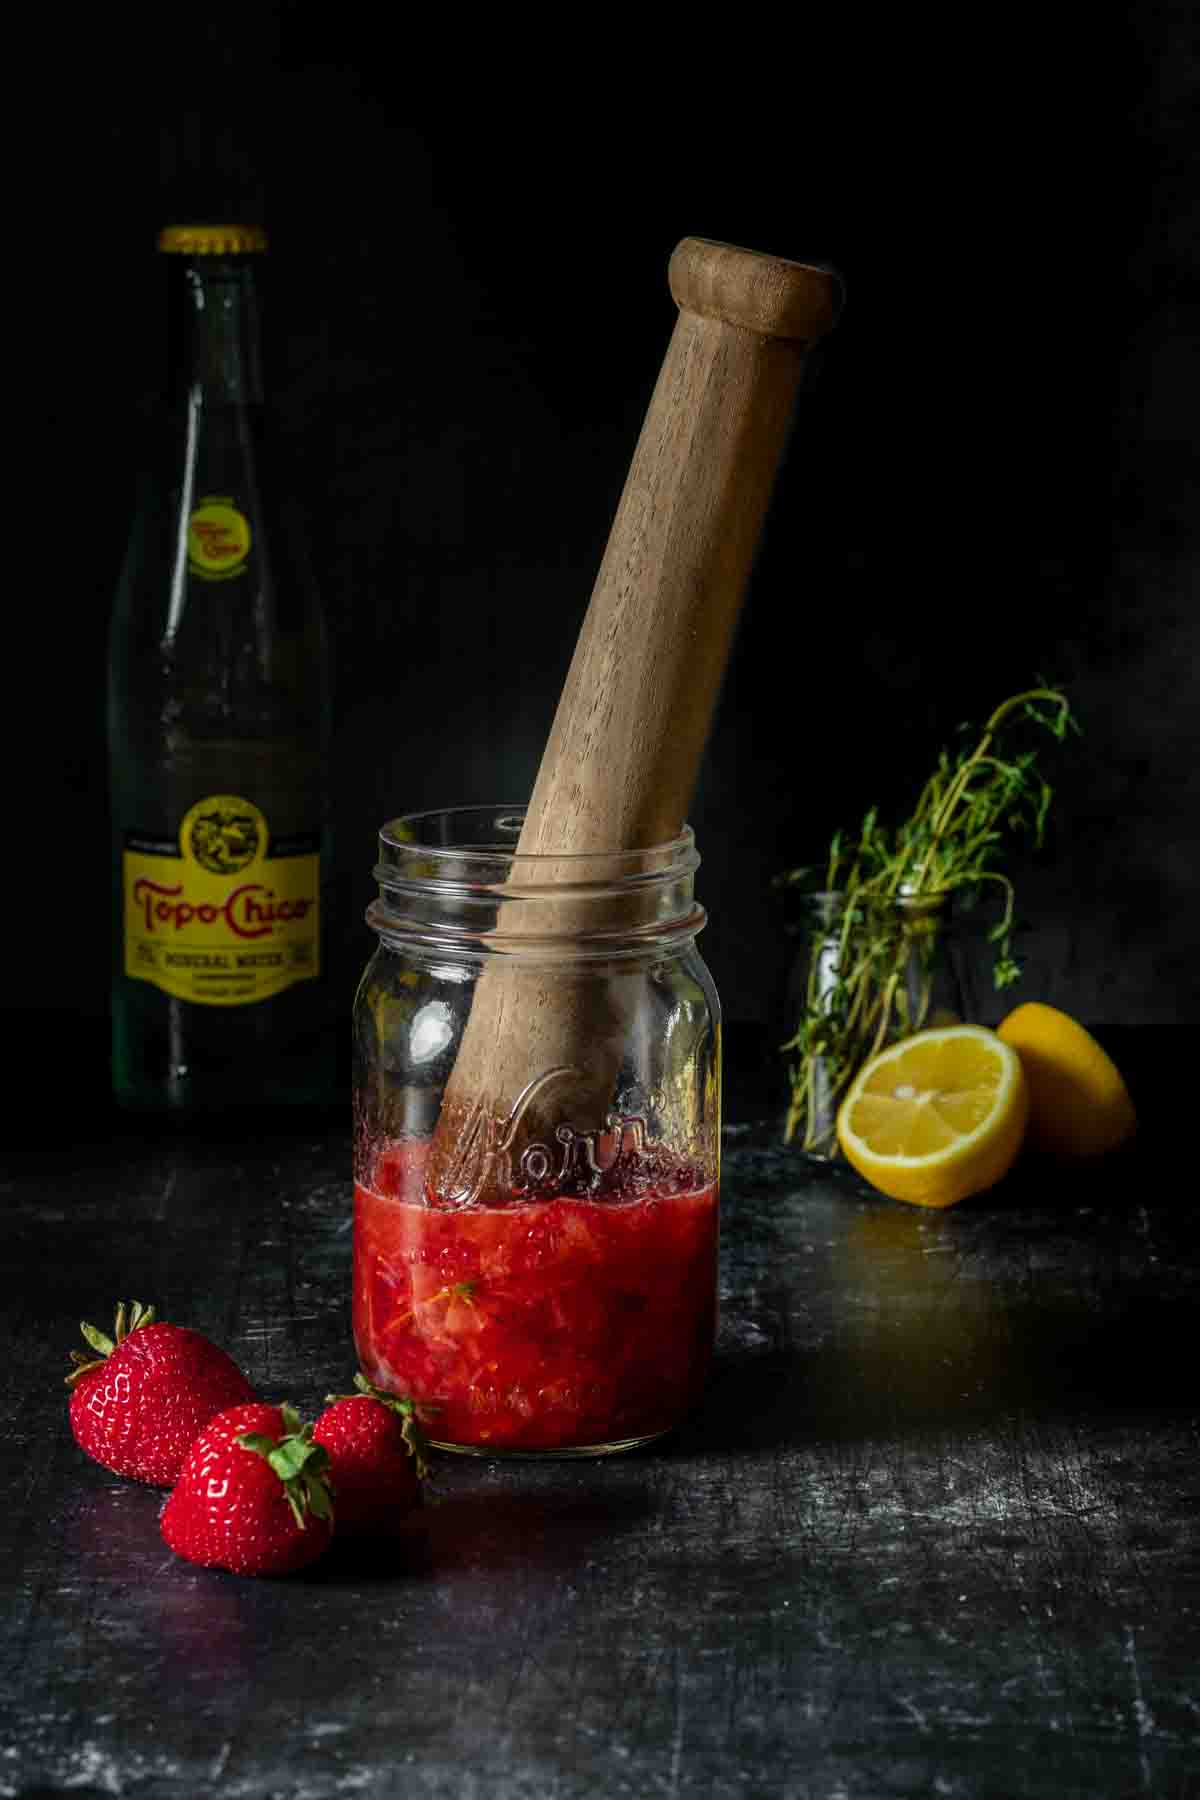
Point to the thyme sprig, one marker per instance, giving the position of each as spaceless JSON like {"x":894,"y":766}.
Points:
{"x":881,"y":890}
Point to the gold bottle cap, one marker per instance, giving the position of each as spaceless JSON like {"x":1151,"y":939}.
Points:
{"x":212,"y":240}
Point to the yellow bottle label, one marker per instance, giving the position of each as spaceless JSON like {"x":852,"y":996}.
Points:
{"x":218,"y":539}
{"x":222,"y":917}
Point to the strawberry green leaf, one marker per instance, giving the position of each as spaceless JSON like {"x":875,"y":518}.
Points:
{"x":258,"y":1441}
{"x":297,"y":1500}
{"x":97,"y":1339}
{"x":82,"y":1366}
{"x":127,"y":1320}
{"x":320,"y":1504}
{"x":300,"y":1465}
{"x":293,"y":1455}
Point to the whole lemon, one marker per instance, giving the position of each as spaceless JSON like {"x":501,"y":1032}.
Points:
{"x":1079,"y":1104}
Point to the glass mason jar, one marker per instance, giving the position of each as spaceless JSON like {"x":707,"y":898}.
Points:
{"x":863,"y":977}
{"x":537,"y":1083}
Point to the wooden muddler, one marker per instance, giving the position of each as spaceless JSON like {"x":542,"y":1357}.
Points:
{"x":623,"y":754}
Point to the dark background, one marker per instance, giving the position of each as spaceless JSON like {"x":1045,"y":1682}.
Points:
{"x":993,"y":473}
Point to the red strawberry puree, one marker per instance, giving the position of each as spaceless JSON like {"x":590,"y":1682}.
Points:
{"x":557,"y":1323}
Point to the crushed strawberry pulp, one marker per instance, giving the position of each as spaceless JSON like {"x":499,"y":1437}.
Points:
{"x":563,"y":1322}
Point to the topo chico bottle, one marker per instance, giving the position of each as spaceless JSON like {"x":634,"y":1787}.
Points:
{"x":218,"y":728}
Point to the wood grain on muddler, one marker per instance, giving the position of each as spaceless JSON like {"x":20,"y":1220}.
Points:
{"x":623,"y":753}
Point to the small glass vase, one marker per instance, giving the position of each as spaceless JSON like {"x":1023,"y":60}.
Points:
{"x":864,"y":976}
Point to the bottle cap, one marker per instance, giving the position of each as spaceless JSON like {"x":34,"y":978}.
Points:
{"x":212,"y":240}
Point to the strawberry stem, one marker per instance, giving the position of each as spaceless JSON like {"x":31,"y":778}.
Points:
{"x":404,"y":1408}
{"x":300,"y":1464}
{"x":127,"y":1320}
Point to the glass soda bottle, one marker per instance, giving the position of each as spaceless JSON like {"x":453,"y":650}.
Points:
{"x":218,"y":729}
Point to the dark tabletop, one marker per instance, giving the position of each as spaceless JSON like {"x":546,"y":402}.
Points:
{"x":934,"y":1530}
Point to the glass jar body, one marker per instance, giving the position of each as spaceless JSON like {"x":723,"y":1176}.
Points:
{"x":552,"y":1291}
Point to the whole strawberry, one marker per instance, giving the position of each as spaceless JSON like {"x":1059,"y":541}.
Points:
{"x":251,"y":1496}
{"x":140,"y":1399}
{"x":377,"y":1458}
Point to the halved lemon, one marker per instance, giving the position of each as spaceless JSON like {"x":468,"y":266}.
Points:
{"x":936,"y":1117}
{"x":1078,"y":1102}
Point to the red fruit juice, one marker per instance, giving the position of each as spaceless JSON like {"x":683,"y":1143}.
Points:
{"x":571,"y":1321}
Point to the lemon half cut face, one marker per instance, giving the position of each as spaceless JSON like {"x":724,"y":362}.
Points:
{"x":937,"y":1117}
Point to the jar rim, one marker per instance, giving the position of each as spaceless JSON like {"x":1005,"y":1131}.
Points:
{"x":827,"y":907}
{"x":903,"y":898}
{"x":411,"y":834}
{"x":453,"y":878}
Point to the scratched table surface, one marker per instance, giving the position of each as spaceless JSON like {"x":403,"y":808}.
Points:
{"x":934,"y":1530}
